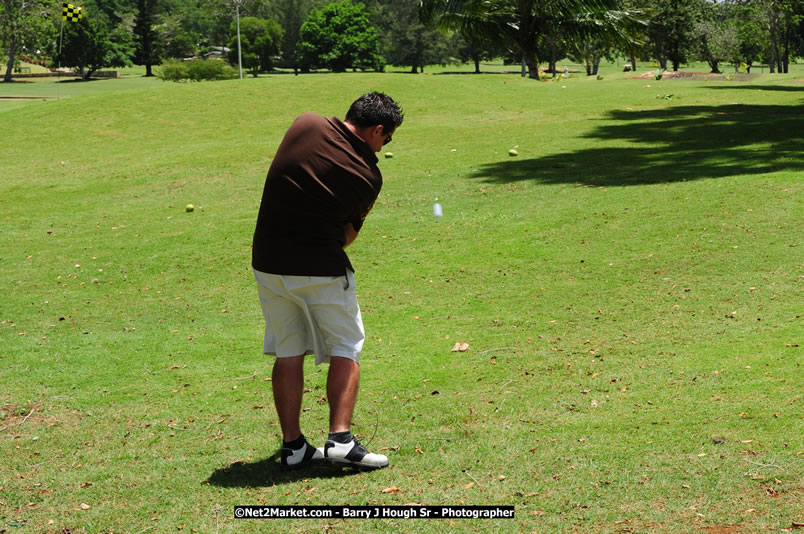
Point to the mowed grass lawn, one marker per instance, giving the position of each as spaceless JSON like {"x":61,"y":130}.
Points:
{"x":629,"y":286}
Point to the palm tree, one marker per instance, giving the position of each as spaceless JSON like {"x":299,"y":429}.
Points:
{"x":524,"y":25}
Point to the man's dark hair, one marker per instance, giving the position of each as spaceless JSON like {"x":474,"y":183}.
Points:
{"x":375,"y":108}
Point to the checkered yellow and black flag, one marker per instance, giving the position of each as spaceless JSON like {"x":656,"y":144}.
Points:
{"x":71,"y":13}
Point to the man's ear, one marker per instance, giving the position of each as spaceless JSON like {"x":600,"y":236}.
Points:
{"x":378,"y":130}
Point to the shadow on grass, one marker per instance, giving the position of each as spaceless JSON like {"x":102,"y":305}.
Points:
{"x":267,"y":472}
{"x":783,"y":88}
{"x":679,"y":143}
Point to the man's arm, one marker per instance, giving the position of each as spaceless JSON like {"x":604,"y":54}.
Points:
{"x":350,"y":233}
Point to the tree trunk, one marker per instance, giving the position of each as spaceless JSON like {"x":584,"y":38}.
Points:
{"x":663,"y":63}
{"x":148,"y":71}
{"x":12,"y":51}
{"x":715,"y":69}
{"x":477,"y":64}
{"x":524,"y":68}
{"x":414,"y":69}
{"x":533,"y":69}
{"x":588,"y":68}
{"x":595,"y":66}
{"x":633,"y":63}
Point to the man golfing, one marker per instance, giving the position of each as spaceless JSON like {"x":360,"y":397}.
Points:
{"x":320,"y":187}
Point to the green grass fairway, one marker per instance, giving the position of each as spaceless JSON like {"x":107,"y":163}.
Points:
{"x":630,"y":286}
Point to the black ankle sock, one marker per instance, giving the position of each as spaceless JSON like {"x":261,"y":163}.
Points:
{"x":341,"y":437}
{"x":296,"y":444}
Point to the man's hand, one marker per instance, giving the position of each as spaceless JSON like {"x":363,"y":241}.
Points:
{"x":350,"y":233}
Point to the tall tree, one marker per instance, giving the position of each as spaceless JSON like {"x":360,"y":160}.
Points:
{"x":340,"y":36}
{"x":715,"y":36}
{"x":751,"y":38}
{"x":145,"y":35}
{"x":474,"y":48}
{"x":291,"y":14}
{"x":525,"y":25}
{"x":670,"y":30}
{"x":407,"y":41}
{"x":589,"y":52}
{"x":88,"y":45}
{"x":781,"y":21}
{"x":22,"y":23}
{"x":259,"y":42}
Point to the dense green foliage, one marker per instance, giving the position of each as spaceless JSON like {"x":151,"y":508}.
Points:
{"x":728,"y":32}
{"x":338,"y":37}
{"x":145,"y":35}
{"x":260,"y":40}
{"x":530,"y":25}
{"x":197,"y":70}
{"x":22,"y":26}
{"x":407,"y":42}
{"x":88,"y":45}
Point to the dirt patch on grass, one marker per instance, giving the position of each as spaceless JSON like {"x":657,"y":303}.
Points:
{"x":707,"y":76}
{"x":12,"y":415}
{"x":721,"y":530}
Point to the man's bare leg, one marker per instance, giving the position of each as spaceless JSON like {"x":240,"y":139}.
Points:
{"x":287,"y":380}
{"x":343,"y":381}
{"x":342,"y":447}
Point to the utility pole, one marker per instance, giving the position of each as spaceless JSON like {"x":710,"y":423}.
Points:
{"x":239,"y":56}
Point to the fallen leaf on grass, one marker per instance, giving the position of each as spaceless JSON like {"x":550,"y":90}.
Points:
{"x":798,"y":524}
{"x":469,"y":485}
{"x":460,"y":347}
{"x":85,"y":506}
{"x":392,"y":489}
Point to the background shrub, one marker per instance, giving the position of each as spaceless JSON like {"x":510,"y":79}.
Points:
{"x":196,"y":70}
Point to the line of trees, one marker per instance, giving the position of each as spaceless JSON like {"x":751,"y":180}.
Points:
{"x":369,"y":34}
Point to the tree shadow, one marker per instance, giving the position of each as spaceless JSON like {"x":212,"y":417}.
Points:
{"x":267,"y":472}
{"x":783,"y":88}
{"x":675,"y":144}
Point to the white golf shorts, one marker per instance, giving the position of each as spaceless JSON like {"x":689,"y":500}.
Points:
{"x":311,"y":315}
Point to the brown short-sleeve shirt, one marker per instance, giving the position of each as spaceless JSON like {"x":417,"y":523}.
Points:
{"x":322,"y":177}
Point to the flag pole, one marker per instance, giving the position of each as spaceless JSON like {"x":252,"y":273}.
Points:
{"x":58,"y":71}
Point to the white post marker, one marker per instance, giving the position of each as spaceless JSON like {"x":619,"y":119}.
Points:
{"x":437,"y":212}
